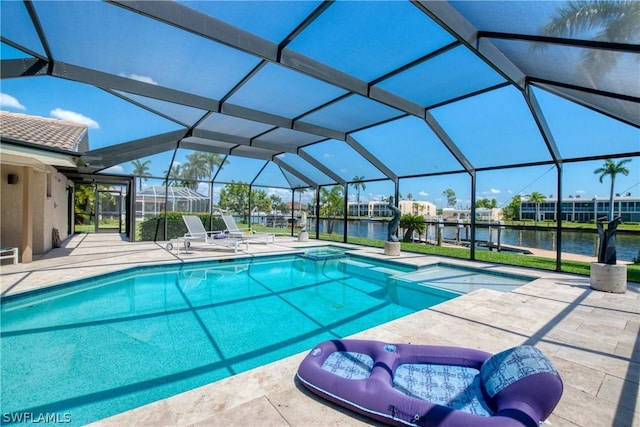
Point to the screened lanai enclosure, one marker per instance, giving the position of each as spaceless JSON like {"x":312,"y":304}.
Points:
{"x":154,"y":200}
{"x":326,"y":103}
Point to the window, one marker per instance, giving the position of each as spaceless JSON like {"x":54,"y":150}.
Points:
{"x":48,"y":185}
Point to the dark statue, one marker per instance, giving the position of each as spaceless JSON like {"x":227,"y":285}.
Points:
{"x":393,"y":224}
{"x":607,"y":248}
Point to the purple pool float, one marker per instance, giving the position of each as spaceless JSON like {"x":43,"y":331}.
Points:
{"x":424,"y":385}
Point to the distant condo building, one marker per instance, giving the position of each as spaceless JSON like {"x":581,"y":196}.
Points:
{"x":375,"y":209}
{"x":577,"y":209}
{"x":482,"y":214}
{"x":574,"y":209}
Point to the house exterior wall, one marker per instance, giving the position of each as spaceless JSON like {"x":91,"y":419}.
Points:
{"x":36,"y":193}
{"x":379,"y":208}
{"x":47,"y":212}
{"x":358,"y":209}
{"x":415,"y":207}
{"x":583,"y":210}
{"x":482,"y":214}
{"x":54,"y":209}
{"x":11,"y":207}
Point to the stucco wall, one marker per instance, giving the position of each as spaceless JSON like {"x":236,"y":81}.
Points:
{"x":56,"y":209}
{"x":36,"y":193}
{"x":47,"y":212}
{"x":415,"y":207}
{"x":10,"y":208}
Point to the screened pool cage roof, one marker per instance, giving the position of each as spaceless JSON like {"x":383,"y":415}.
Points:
{"x":174,"y":193}
{"x":306,"y":93}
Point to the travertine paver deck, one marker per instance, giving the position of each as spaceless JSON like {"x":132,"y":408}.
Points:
{"x":591,"y":337}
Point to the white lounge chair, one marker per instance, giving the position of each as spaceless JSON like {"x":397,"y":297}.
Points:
{"x":197,"y":232}
{"x":233,"y":230}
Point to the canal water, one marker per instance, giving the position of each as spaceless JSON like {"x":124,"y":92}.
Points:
{"x":576,"y":242}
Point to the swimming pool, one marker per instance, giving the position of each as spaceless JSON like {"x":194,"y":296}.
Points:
{"x":325,"y":252}
{"x":94,"y":348}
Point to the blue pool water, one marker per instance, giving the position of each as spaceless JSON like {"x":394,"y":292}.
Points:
{"x":91,"y":349}
{"x":324,"y":252}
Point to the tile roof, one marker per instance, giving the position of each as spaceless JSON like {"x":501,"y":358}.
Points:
{"x":43,"y":131}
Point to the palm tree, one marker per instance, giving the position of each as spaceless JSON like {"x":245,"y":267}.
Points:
{"x":537,"y":198}
{"x":200,"y":165}
{"x":175,"y":175}
{"x":197,"y":166}
{"x":331,"y":204}
{"x":212,"y":160}
{"x":412,"y":223}
{"x":358,"y":184}
{"x":141,"y":169}
{"x":512,"y":210}
{"x":612,"y":169}
{"x":609,"y":20}
{"x":451,"y":197}
{"x":84,"y":202}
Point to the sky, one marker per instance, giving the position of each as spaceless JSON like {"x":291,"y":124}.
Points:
{"x":101,"y":112}
{"x":497,"y":128}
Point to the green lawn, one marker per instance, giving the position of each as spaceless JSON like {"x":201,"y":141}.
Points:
{"x":508,"y":258}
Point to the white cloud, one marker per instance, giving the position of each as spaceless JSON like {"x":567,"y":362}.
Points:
{"x":285,"y":195}
{"x":423,"y":194}
{"x":71,"y":116}
{"x":117,"y":169}
{"x":495,"y":191}
{"x":8,"y":101}
{"x":378,"y":197}
{"x":580,"y":192}
{"x":138,"y":77}
{"x":203,"y":188}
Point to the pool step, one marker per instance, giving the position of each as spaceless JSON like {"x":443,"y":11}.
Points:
{"x":416,"y":295}
{"x":434,"y":288}
{"x":460,"y":282}
{"x":366,"y":271}
{"x":310,"y":266}
{"x":323,"y":256}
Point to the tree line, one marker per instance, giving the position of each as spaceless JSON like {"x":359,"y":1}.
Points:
{"x":199,"y":166}
{"x":235,"y":196}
